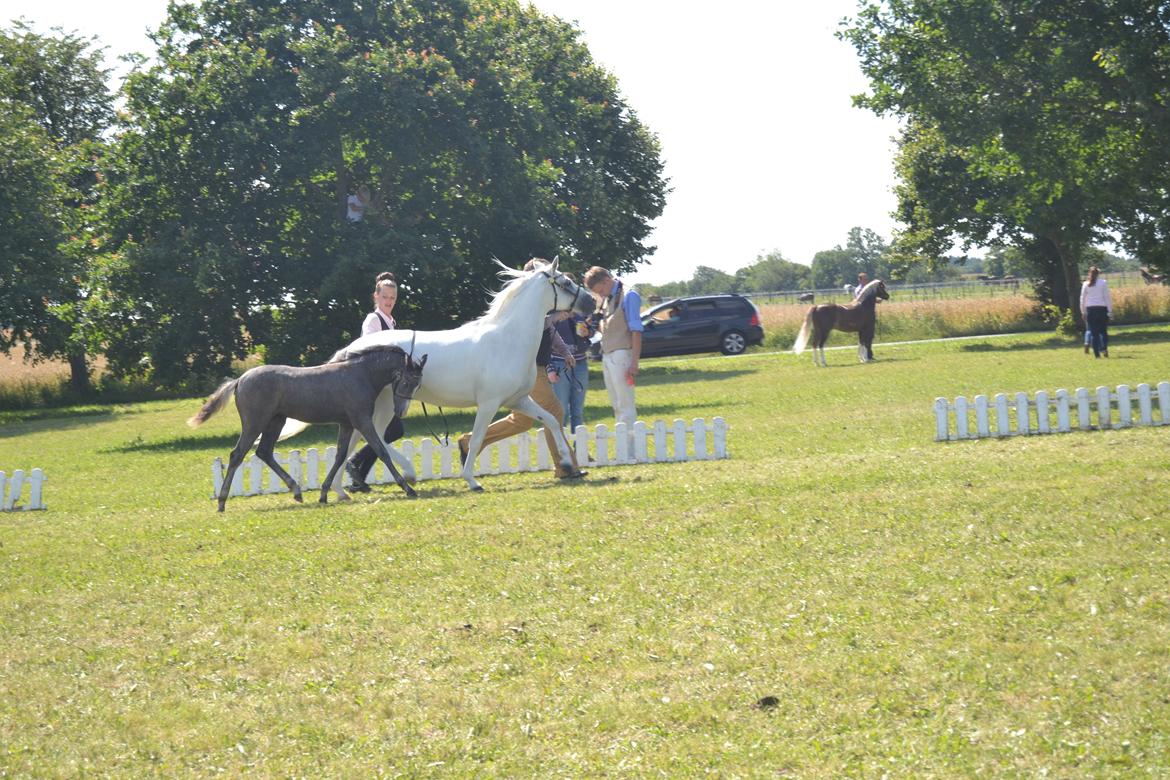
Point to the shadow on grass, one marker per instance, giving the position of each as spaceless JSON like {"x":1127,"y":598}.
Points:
{"x":54,"y":419}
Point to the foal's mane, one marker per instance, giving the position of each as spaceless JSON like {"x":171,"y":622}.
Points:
{"x":343,"y":355}
{"x":868,"y":291}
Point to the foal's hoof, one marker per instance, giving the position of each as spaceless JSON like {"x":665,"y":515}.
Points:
{"x":323,"y":500}
{"x":298,"y":499}
{"x":477,"y":489}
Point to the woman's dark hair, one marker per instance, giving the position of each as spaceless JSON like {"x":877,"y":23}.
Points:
{"x":1094,"y":271}
{"x":384,"y":276}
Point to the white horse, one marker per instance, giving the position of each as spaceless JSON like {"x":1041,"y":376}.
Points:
{"x":487,"y":363}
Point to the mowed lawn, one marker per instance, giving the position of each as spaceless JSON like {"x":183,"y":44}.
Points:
{"x":842,"y":597}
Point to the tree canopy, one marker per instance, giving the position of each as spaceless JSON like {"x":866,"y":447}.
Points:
{"x":1028,"y":124}
{"x":54,"y":109}
{"x":481,"y":129}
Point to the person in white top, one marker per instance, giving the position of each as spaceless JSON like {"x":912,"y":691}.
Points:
{"x":381,"y":318}
{"x":862,"y":280}
{"x":1097,"y":309}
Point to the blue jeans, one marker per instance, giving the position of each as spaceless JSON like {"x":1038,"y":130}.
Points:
{"x":570,"y":391}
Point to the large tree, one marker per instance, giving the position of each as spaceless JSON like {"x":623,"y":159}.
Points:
{"x":54,"y":108}
{"x":1017,"y":127}
{"x":482,"y":129}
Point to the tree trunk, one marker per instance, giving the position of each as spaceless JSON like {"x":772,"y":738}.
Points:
{"x":1071,"y":277}
{"x":79,"y":371}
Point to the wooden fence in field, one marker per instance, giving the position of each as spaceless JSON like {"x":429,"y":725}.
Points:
{"x":595,"y":447}
{"x":1041,"y":413}
{"x":12,"y":487}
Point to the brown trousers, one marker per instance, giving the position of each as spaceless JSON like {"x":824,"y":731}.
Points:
{"x":542,"y":393}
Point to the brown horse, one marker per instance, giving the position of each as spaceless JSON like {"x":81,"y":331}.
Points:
{"x":859,"y":316}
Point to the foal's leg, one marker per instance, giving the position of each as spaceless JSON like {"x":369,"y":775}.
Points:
{"x":820,"y":336}
{"x":345,"y":437}
{"x":367,"y":428}
{"x":264,"y":453}
{"x":248,"y":435}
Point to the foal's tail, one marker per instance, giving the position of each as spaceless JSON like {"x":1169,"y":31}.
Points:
{"x":215,"y":403}
{"x":291,"y":428}
{"x":805,"y":332}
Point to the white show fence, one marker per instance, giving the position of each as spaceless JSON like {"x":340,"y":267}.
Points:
{"x":11,"y":488}
{"x":1024,"y":415}
{"x":527,"y":451}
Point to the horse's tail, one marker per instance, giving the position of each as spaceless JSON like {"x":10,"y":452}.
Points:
{"x":805,"y":331}
{"x":215,"y":403}
{"x":291,"y":428}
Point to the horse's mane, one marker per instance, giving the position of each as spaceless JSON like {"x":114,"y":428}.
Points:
{"x":868,"y":291}
{"x":501,"y":299}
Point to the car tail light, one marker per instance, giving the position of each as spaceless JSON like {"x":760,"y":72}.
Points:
{"x":755,"y":320}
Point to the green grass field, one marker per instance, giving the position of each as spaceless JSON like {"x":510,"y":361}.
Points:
{"x":994,"y":607}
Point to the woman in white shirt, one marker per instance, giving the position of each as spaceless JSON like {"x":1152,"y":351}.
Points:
{"x":1097,"y":309}
{"x":381,"y":318}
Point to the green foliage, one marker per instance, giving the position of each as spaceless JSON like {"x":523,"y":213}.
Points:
{"x":772,"y":272}
{"x":864,"y":251}
{"x":482,"y":129}
{"x":54,"y":107}
{"x":1062,"y":319}
{"x":1019,"y":128}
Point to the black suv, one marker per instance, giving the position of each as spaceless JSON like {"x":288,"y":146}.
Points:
{"x":704,"y":323}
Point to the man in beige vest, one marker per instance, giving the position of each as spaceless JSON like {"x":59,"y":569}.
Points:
{"x":621,"y":340}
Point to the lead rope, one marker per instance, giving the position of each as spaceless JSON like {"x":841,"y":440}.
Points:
{"x":446,"y":440}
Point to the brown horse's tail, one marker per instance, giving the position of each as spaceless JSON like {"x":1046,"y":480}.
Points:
{"x":805,"y":332}
{"x":214,"y":404}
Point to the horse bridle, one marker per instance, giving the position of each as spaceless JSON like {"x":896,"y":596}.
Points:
{"x":556,"y":289}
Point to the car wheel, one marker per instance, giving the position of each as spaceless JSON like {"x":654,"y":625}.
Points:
{"x":732,"y":343}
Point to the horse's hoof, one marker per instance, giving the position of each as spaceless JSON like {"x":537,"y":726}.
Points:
{"x":477,"y":489}
{"x":298,"y":498}
{"x":322,"y":500}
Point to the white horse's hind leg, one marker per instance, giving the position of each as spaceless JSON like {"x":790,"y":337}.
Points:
{"x":534,"y":410}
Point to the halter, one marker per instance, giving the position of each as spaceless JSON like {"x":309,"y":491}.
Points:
{"x":556,"y":288}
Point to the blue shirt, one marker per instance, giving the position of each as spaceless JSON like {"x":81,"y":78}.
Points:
{"x":632,"y":308}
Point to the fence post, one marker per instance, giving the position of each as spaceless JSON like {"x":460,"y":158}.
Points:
{"x":1023,"y":423}
{"x":981,"y":424}
{"x":1164,"y":401}
{"x":1104,"y":408}
{"x":426,"y":456}
{"x":621,"y":443}
{"x":660,"y":441}
{"x":1084,"y":421}
{"x":699,"y":427}
{"x":1145,"y":407}
{"x":581,"y":444}
{"x":237,"y":488}
{"x":8,"y":500}
{"x":961,"y":421}
{"x":640,"y":455}
{"x":1124,"y":407}
{"x":601,"y":450}
{"x":1042,"y":421}
{"x":680,"y":440}
{"x":447,"y":458}
{"x":720,"y":437}
{"x":35,"y":490}
{"x":1063,"y":424}
{"x":275,"y":483}
{"x":941,"y":424}
{"x":1002,"y":427}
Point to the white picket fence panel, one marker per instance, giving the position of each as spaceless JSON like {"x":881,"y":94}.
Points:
{"x":661,"y":442}
{"x":12,"y":487}
{"x":1062,"y":412}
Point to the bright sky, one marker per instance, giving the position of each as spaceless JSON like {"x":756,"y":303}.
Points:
{"x":751,"y":102}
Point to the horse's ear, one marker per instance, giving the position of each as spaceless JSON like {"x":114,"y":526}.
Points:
{"x":422,"y":362}
{"x":552,"y":267}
